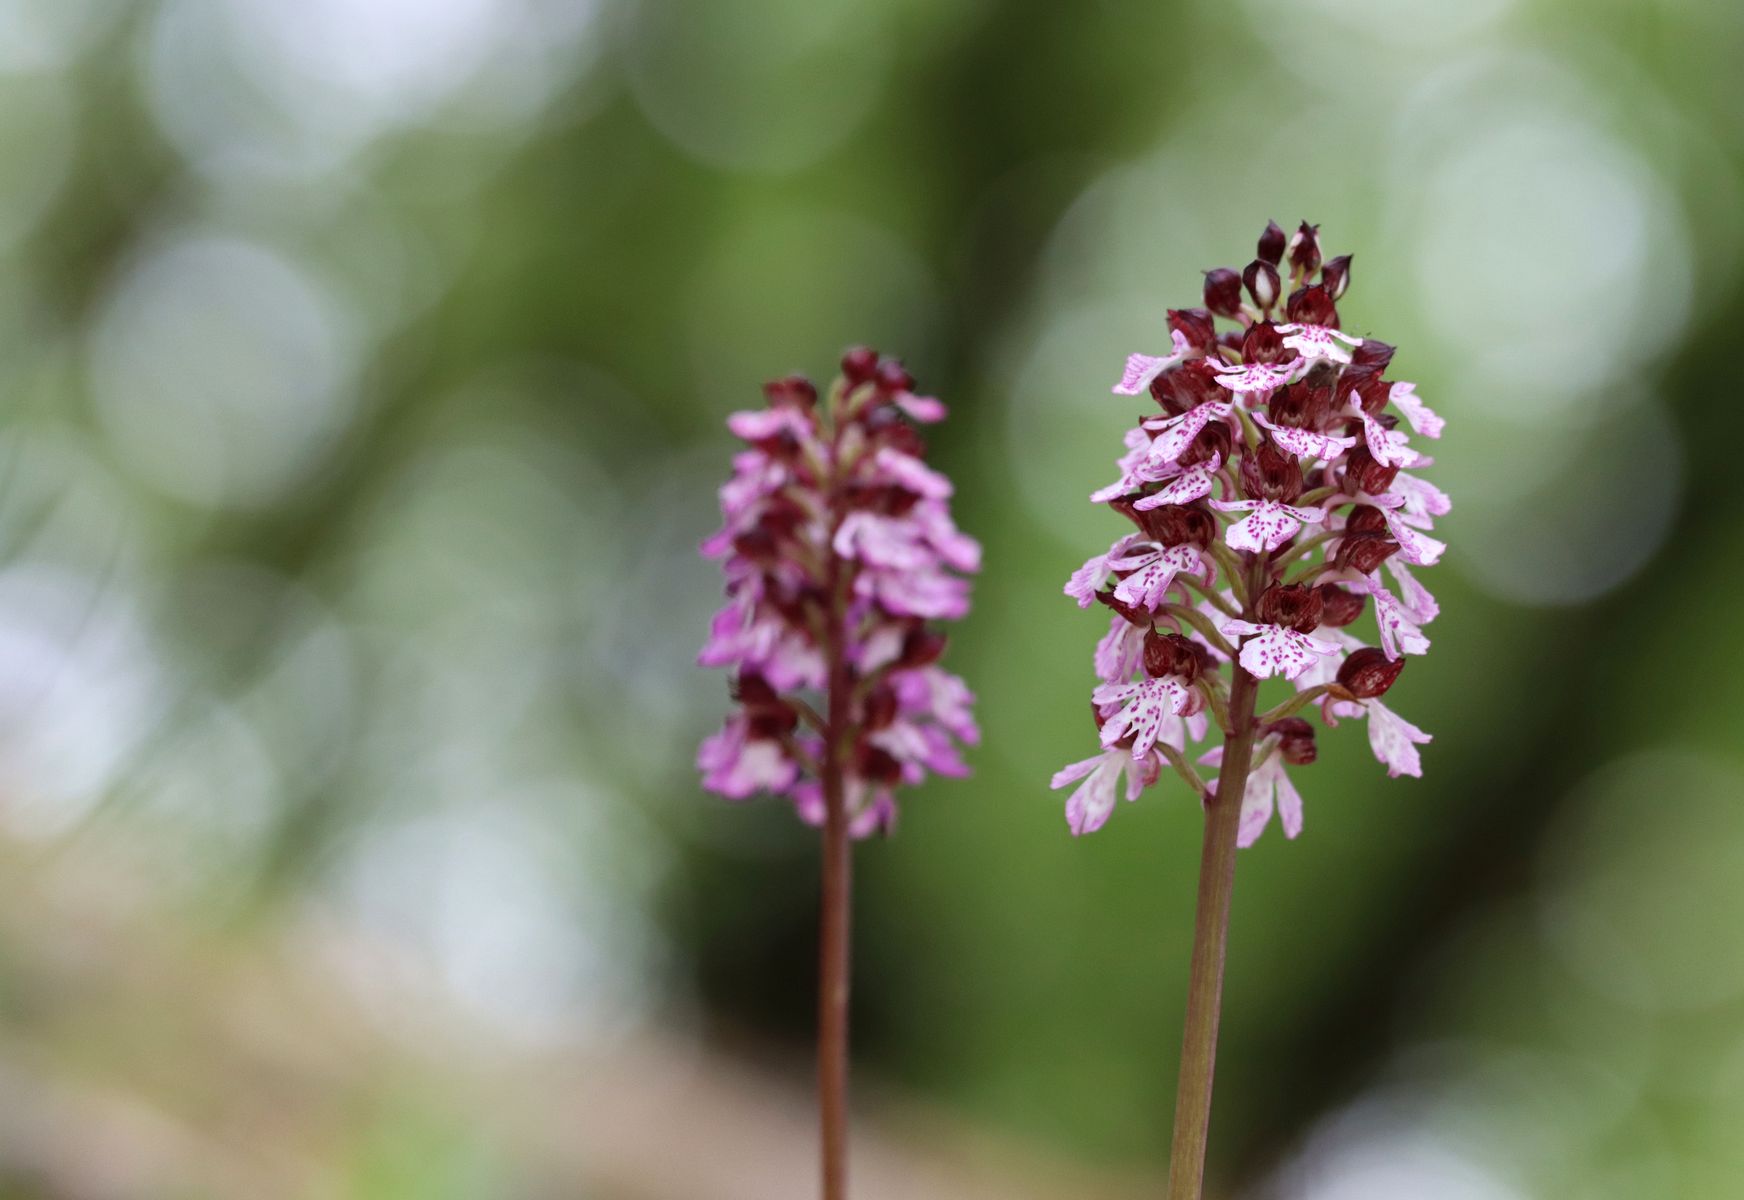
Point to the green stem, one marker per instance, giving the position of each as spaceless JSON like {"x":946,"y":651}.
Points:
{"x":1199,"y":621}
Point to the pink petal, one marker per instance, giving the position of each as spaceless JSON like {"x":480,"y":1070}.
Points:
{"x":1419,"y":415}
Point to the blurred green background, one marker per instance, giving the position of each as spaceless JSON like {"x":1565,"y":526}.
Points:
{"x":364,"y":369}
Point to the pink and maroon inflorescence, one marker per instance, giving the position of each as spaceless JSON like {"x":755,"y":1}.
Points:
{"x":838,"y":548}
{"x":1275,"y":501}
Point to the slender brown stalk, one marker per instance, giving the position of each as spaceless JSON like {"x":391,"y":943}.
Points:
{"x":833,"y":957}
{"x":835,"y":926}
{"x":1211,"y":937}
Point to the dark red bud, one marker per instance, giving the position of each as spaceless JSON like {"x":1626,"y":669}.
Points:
{"x":1372,"y":353}
{"x":1263,"y":343}
{"x":1131,"y":613}
{"x":1171,"y":524}
{"x":1363,"y":552}
{"x":859,"y":364}
{"x":1196,"y":382}
{"x":1312,"y":306}
{"x":1365,"y":380}
{"x":1263,"y":284}
{"x":1338,"y":607}
{"x":765,"y":726}
{"x":876,"y":765}
{"x":891,"y":377}
{"x":1195,"y":325}
{"x":794,"y":391}
{"x":1214,"y":441}
{"x":1295,"y":740}
{"x":1335,"y":276}
{"x":1305,"y":249}
{"x":1292,"y":605}
{"x":758,"y":546}
{"x":1270,"y":474}
{"x":1363,"y":474}
{"x":754,"y":691}
{"x":1365,"y":518}
{"x":1169,"y":654}
{"x":1178,"y":524}
{"x":1368,"y":673}
{"x":921,"y":647}
{"x":1271,"y":247}
{"x":880,"y":707}
{"x":1223,"y":291}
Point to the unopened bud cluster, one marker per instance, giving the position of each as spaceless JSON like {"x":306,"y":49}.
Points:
{"x":1274,"y":507}
{"x":838,"y":550}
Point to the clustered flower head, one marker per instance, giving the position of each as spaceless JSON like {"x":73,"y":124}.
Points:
{"x":838,"y":550}
{"x":1276,"y":510}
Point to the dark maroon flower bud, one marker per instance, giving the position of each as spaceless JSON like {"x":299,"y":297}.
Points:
{"x":1270,"y":474}
{"x":1295,"y":740}
{"x":1305,"y":249}
{"x":1312,"y":306}
{"x":1171,"y":524}
{"x":1271,"y":247}
{"x":876,"y":765}
{"x":1363,"y":474}
{"x":1363,"y":552}
{"x":1338,"y":607}
{"x":1131,"y":613}
{"x":1292,"y":605}
{"x":880,"y":707}
{"x":1194,"y":324}
{"x":774,"y":723}
{"x":859,"y":364}
{"x":1213,"y":442}
{"x":755,"y":692}
{"x":886,"y":427}
{"x":1195,"y":383}
{"x":921,"y":647}
{"x":794,"y":391}
{"x":1263,"y":343}
{"x":1223,"y":291}
{"x":1372,"y":353}
{"x":1208,"y":662}
{"x":892,"y":377}
{"x":1365,"y":380}
{"x":757,"y":545}
{"x":1289,"y":406}
{"x":1170,"y":654}
{"x":1335,"y":276}
{"x":1365,"y":518}
{"x":1263,"y":284}
{"x":1368,"y":673}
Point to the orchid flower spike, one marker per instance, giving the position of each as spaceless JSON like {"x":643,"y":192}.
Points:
{"x":839,"y":552}
{"x":1282,"y":459}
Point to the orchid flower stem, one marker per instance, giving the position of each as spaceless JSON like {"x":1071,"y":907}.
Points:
{"x":1184,"y":769}
{"x":1210,"y":940}
{"x":835,"y":918}
{"x":1232,"y":568}
{"x":1201,"y":622}
{"x":1216,"y":601}
{"x":1302,"y":547}
{"x":1295,"y":704}
{"x":1211,"y":932}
